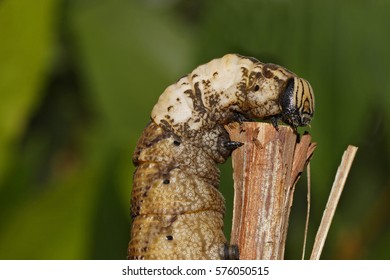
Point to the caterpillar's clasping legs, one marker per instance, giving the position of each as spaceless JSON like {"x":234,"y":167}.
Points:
{"x":232,"y":145}
{"x":274,"y":120}
{"x":231,"y":252}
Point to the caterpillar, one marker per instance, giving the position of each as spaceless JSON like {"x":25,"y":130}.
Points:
{"x":177,"y":210}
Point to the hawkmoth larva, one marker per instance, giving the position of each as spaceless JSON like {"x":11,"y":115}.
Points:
{"x":176,"y":207}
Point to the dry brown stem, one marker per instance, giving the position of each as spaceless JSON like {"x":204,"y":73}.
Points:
{"x":334,"y":197}
{"x":266,"y":169}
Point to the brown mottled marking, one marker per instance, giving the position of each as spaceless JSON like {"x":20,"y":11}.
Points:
{"x":176,"y":207}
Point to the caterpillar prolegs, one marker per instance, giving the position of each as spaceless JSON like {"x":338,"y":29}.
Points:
{"x":176,"y":207}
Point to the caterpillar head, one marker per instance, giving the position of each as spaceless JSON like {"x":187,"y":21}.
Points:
{"x":275,"y":92}
{"x":297,"y":102}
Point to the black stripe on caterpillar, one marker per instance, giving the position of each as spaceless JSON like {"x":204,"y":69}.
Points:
{"x":176,"y":207}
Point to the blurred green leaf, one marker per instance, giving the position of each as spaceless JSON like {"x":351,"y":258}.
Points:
{"x":27,"y":33}
{"x":53,"y":225}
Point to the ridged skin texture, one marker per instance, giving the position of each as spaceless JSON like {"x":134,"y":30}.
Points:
{"x":176,"y":207}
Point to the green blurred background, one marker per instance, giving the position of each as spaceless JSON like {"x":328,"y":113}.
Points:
{"x":78,"y":80}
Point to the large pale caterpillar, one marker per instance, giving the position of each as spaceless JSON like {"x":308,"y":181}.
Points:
{"x":176,"y":207}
